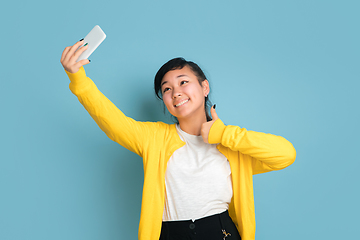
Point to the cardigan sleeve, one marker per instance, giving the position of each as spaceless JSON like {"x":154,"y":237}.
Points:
{"x":124,"y":130}
{"x":269,"y":152}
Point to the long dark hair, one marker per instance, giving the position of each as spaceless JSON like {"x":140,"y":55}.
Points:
{"x":179,"y":63}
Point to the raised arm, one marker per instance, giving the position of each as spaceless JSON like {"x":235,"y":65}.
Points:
{"x":124,"y":130}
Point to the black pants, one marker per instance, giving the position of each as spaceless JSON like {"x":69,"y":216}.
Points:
{"x":215,"y":227}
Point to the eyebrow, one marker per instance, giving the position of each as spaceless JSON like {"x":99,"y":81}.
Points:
{"x":182,"y":75}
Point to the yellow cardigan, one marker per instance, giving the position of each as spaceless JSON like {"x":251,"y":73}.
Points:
{"x":248,"y":152}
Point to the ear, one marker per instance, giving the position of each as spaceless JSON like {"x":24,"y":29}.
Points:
{"x":206,"y":87}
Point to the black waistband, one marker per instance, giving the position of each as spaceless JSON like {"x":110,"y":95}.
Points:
{"x":199,"y":222}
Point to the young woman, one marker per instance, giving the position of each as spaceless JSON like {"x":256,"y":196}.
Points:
{"x":198,"y":172}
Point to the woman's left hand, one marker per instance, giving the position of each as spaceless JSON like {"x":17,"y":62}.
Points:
{"x":205,"y":128}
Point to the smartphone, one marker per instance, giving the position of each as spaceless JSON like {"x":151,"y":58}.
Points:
{"x":94,"y":38}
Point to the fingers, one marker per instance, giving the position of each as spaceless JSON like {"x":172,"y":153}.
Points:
{"x":213,"y":113}
{"x":71,"y":54}
{"x":79,"y":52}
{"x":81,"y":63}
{"x":66,"y":55}
{"x":205,"y":128}
{"x":72,"y":50}
{"x":65,"y":52}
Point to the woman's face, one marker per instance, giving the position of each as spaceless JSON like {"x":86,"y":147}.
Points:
{"x":183,"y":95}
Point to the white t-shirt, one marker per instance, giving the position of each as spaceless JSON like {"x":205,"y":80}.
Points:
{"x":198,"y":180}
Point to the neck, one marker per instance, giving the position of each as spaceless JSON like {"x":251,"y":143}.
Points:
{"x":192,"y":125}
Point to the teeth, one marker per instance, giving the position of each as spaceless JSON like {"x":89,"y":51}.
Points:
{"x":179,"y":104}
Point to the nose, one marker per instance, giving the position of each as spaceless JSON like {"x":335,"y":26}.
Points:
{"x":176,"y":93}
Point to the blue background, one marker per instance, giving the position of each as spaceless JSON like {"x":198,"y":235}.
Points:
{"x":289,"y":68}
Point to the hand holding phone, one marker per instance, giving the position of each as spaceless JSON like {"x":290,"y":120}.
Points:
{"x":94,"y":38}
{"x":74,"y":57}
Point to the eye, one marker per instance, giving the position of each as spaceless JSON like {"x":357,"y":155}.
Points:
{"x":166,"y":89}
{"x":183,"y":82}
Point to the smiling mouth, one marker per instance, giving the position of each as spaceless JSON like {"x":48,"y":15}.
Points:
{"x":181,"y":103}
